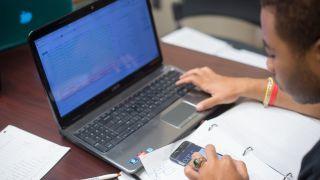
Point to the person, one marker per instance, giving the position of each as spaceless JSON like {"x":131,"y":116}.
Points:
{"x":291,"y":34}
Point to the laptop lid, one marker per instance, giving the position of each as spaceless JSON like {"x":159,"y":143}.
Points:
{"x":18,"y":18}
{"x":89,"y":56}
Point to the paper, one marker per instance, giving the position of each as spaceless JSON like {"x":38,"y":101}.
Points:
{"x":244,"y":57}
{"x":197,"y":41}
{"x":279,"y":137}
{"x":142,"y":174}
{"x":26,"y":156}
{"x":226,"y":144}
{"x":159,"y":167}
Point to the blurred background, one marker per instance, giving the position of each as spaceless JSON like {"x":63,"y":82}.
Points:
{"x":219,"y":25}
{"x":231,"y":20}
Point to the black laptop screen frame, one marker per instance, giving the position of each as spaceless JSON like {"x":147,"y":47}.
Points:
{"x":93,"y":103}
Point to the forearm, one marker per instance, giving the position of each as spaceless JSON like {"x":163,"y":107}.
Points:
{"x":255,"y":89}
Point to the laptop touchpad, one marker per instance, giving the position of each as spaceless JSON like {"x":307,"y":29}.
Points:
{"x":180,"y":115}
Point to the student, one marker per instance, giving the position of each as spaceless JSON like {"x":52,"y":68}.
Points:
{"x":291,"y":32}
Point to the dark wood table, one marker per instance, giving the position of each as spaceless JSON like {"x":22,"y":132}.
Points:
{"x":23,"y":103}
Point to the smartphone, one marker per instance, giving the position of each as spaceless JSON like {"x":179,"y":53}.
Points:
{"x":183,"y":154}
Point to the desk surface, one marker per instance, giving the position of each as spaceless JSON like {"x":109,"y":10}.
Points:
{"x":23,"y":103}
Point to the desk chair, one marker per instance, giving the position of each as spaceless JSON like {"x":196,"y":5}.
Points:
{"x":246,"y":10}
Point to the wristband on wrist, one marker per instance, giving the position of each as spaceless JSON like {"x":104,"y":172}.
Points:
{"x":268,"y":92}
{"x":274,"y":94}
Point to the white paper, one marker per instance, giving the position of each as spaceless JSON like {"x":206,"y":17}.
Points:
{"x":159,"y":167}
{"x":195,"y":40}
{"x":198,"y":41}
{"x":258,"y":170}
{"x":26,"y":156}
{"x":279,"y":137}
{"x":244,"y":57}
{"x":142,"y":174}
{"x":226,"y":144}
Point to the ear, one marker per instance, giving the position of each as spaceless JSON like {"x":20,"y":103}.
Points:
{"x":317,"y":51}
{"x":314,"y":58}
{"x":313,"y":55}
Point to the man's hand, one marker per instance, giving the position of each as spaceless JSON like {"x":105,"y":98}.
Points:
{"x":215,"y":169}
{"x":224,"y":90}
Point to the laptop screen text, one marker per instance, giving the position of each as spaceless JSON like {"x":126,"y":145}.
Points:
{"x":89,"y":55}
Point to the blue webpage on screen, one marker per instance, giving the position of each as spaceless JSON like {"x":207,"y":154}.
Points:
{"x":86,"y":57}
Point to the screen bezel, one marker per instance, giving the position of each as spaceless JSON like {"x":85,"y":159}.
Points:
{"x":93,"y":103}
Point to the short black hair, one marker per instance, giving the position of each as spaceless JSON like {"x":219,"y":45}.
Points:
{"x":297,"y":22}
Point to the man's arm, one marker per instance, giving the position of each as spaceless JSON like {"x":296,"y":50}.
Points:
{"x":255,"y":89}
{"x":226,"y":90}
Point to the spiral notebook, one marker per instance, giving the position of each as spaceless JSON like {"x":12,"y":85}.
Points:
{"x":271,"y":141}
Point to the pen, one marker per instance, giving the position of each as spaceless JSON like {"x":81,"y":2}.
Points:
{"x":104,"y":177}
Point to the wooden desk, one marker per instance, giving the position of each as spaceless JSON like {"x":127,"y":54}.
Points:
{"x":23,"y":103}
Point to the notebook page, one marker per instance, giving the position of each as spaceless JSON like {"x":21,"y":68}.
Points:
{"x":225,"y":144}
{"x":279,"y":137}
{"x":158,"y":165}
{"x":26,"y":156}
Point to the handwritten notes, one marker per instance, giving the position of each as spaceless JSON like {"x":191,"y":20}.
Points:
{"x":26,"y":156}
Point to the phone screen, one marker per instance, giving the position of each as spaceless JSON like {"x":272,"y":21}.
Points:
{"x":183,"y":154}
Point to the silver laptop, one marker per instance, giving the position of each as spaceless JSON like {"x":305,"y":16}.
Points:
{"x":110,"y":94}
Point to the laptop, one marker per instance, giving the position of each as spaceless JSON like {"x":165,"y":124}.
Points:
{"x":18,"y":18}
{"x":109,"y":91}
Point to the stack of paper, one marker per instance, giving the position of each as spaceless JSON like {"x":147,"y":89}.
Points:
{"x":198,"y":41}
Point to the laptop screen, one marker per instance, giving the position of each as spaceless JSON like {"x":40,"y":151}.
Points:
{"x":89,"y":55}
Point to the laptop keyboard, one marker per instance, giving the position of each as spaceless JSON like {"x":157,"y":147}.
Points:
{"x":113,"y":126}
